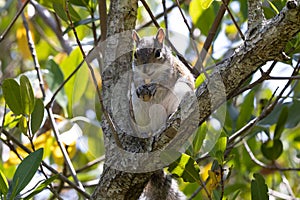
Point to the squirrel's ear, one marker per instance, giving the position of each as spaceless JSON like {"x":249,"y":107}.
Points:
{"x":135,"y":36}
{"x":160,"y":36}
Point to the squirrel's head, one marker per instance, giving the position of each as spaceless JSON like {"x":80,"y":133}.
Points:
{"x":149,"y":49}
{"x":152,"y":67}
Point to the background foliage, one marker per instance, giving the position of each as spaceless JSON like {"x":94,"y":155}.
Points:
{"x":46,"y":91}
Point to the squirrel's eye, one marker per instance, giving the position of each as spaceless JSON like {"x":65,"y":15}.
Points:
{"x":135,"y":55}
{"x":157,"y":53}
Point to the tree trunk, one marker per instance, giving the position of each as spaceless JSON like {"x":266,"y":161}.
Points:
{"x":265,"y":41}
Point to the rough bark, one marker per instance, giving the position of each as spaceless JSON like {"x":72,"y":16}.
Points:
{"x":264,"y":42}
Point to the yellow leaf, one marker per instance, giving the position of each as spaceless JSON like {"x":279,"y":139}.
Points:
{"x":231,"y":31}
{"x":39,"y":142}
{"x":23,"y":43}
{"x":57,"y":154}
{"x":214,"y":180}
{"x":60,"y":57}
{"x":206,"y":3}
{"x":204,"y":171}
{"x":195,"y":10}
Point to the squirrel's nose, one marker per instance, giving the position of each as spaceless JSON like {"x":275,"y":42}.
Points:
{"x":146,"y":92}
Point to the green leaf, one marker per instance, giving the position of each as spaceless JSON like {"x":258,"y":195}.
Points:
{"x":27,"y":96}
{"x":273,"y":7}
{"x":3,"y":184}
{"x":12,"y":96}
{"x":41,"y":187}
{"x":219,"y":149}
{"x":25,"y":172}
{"x":81,"y":22}
{"x":206,"y":3}
{"x":68,"y":66}
{"x":61,"y":12}
{"x":84,"y":3}
{"x":198,"y":13}
{"x":235,"y":194}
{"x":80,"y":83}
{"x":281,"y":122}
{"x":293,"y":117}
{"x":195,"y":10}
{"x":200,"y":79}
{"x":11,"y":120}
{"x":23,"y":126}
{"x":186,"y":168}
{"x":272,"y":118}
{"x":49,"y":3}
{"x":98,"y":108}
{"x":246,"y":110}
{"x":272,"y":149}
{"x":259,"y":189}
{"x":199,"y":138}
{"x":54,"y":79}
{"x":37,"y":116}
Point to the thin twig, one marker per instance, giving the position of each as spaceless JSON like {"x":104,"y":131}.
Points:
{"x":106,"y":114}
{"x":284,"y":78}
{"x":13,"y":21}
{"x":103,"y":18}
{"x":264,"y":76}
{"x":94,"y":27}
{"x":52,"y":170}
{"x":287,"y":185}
{"x":67,"y":4}
{"x":188,"y":27}
{"x":63,"y":149}
{"x":89,"y":165}
{"x":210,"y":37}
{"x":54,"y":24}
{"x":195,"y":193}
{"x":193,"y":70}
{"x":242,"y":132}
{"x":160,"y":15}
{"x":36,"y":63}
{"x":203,"y":184}
{"x":280,"y":195}
{"x":266,"y":111}
{"x":166,"y":18}
{"x":263,"y":165}
{"x":222,"y":181}
{"x":233,"y":20}
{"x":32,"y":49}
{"x":150,"y":13}
{"x":49,"y":104}
{"x":184,"y":19}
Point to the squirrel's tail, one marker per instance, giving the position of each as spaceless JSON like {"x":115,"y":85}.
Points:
{"x":162,"y":187}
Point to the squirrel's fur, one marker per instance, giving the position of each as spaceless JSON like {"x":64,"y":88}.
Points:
{"x":160,"y":81}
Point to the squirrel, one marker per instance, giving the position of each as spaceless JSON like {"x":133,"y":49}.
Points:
{"x":160,"y":81}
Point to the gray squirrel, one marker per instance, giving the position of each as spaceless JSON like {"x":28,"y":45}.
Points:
{"x":160,"y":81}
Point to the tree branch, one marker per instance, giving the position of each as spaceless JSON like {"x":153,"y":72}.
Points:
{"x":255,"y":14}
{"x":231,"y":73}
{"x":103,"y":18}
{"x":264,"y":45}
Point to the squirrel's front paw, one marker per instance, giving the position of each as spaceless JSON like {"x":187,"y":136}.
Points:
{"x":146,"y":92}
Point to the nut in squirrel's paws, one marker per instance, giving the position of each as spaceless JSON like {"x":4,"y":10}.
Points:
{"x":146,"y":92}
